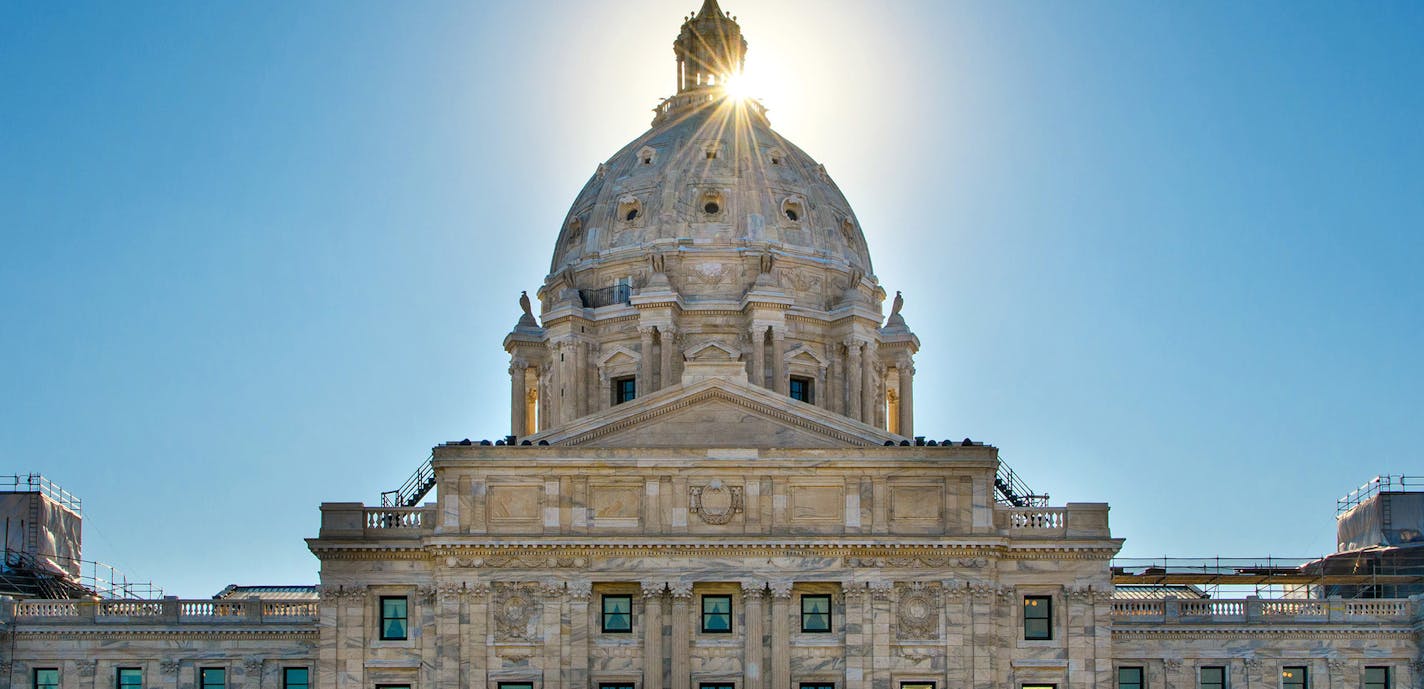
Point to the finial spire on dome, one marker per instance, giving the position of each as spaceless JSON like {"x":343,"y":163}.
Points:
{"x":710,"y":49}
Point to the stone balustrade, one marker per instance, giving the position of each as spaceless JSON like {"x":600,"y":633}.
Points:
{"x":1254,"y":610}
{"x":358,"y":521}
{"x":1075,"y":520}
{"x":165,"y":611}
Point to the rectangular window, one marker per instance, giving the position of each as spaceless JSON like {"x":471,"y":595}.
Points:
{"x":128,"y":678}
{"x":1038,"y":618}
{"x":47,"y":678}
{"x":818,"y":685}
{"x":394,"y":618}
{"x":1040,"y":686}
{"x":917,"y":685}
{"x":516,"y":685}
{"x":716,"y":617}
{"x":617,"y":614}
{"x":716,"y":685}
{"x":815,"y":613}
{"x":615,"y":685}
{"x":802,"y":389}
{"x":1294,"y":677}
{"x":1378,"y":678}
{"x":295,"y":678}
{"x":212,"y":678}
{"x":1129,"y":678}
{"x":1211,"y":677}
{"x":625,"y":389}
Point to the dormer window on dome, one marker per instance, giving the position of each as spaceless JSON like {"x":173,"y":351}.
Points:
{"x":793,"y":209}
{"x":711,"y":203}
{"x":630,"y":209}
{"x":647,"y":155}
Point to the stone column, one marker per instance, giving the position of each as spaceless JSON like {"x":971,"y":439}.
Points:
{"x":758,"y":376}
{"x":652,"y":635}
{"x":668,"y":336}
{"x":552,"y":622}
{"x":517,"y":395}
{"x":853,"y":378}
{"x":577,"y":657}
{"x":855,"y":634}
{"x":580,"y":377}
{"x":681,"y":647}
{"x":447,"y":634}
{"x":472,"y":643}
{"x":778,"y":363}
{"x":867,"y":385}
{"x":645,"y":374}
{"x":906,"y":369}
{"x":753,"y":654}
{"x":879,"y":625}
{"x":835,"y":388}
{"x":780,"y":634}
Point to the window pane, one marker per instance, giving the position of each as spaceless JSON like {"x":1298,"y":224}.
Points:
{"x":817,"y":685}
{"x":1213,"y":677}
{"x":516,"y":685}
{"x":129,"y":678}
{"x":294,"y":678}
{"x":1038,"y":618}
{"x":212,"y":678}
{"x":1129,"y":678}
{"x":393,"y":618}
{"x":47,"y":678}
{"x":717,"y":604}
{"x":617,"y":613}
{"x":917,"y":685}
{"x":1377,"y":678}
{"x":1294,"y":677}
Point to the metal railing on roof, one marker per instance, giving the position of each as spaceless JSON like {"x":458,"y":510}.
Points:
{"x":35,"y":483}
{"x":1387,"y":483}
{"x":414,"y":488}
{"x":1009,"y":489}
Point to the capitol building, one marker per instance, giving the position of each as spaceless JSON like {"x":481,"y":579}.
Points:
{"x":714,"y":478}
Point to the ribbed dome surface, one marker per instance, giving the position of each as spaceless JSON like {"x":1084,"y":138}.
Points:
{"x":711,"y":172}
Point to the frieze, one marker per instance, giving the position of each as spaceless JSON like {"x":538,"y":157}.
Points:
{"x":517,"y":561}
{"x":918,"y":561}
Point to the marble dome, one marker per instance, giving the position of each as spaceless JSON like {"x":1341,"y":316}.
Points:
{"x":711,"y":172}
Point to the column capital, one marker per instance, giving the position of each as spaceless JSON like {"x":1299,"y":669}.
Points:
{"x":652,"y":589}
{"x":780,"y":589}
{"x":753,"y":589}
{"x":680,"y":590}
{"x":647,"y":330}
{"x":580,"y":590}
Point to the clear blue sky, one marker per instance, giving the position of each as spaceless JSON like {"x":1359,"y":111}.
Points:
{"x":261,"y":255}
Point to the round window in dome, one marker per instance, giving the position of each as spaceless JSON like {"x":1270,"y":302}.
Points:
{"x":711,"y":208}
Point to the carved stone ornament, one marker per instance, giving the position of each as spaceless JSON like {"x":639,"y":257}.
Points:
{"x":517,"y":561}
{"x":6,"y":666}
{"x":853,"y":590}
{"x":425,"y":593}
{"x":753,"y":589}
{"x":252,"y":665}
{"x":1254,"y":664}
{"x":917,"y":561}
{"x":514,"y":609}
{"x":716,"y":502}
{"x":580,"y":590}
{"x":168,"y":666}
{"x":1417,"y":666}
{"x":680,"y":589}
{"x":780,"y":589}
{"x":86,"y":668}
{"x":449,"y":591}
{"x":1172,"y":664}
{"x":880,"y":590}
{"x":652,"y":589}
{"x":1337,"y":665}
{"x":1080,"y":594}
{"x":918,"y":613}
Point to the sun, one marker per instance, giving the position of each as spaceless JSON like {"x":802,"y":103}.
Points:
{"x":738,"y":87}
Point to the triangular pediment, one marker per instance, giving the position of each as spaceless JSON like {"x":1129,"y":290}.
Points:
{"x":716,"y":412}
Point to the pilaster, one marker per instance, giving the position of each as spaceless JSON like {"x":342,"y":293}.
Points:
{"x":652,"y":634}
{"x":681,"y":623}
{"x":780,"y":634}
{"x":753,"y":654}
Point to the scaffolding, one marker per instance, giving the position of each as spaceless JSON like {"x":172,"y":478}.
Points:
{"x":1268,"y":577}
{"x":36,"y":483}
{"x":1387,"y":483}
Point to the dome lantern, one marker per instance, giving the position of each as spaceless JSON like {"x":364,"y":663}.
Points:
{"x":710,"y":49}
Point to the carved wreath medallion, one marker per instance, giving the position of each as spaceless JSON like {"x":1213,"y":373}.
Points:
{"x":716,"y":502}
{"x":513,"y":612}
{"x":918,"y":614}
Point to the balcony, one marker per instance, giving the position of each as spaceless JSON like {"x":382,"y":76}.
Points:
{"x":1252,"y":610}
{"x":165,"y":611}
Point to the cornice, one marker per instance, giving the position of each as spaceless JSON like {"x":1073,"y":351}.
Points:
{"x":112,"y":630}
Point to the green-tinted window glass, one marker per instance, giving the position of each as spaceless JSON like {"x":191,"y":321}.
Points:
{"x":1294,"y":677}
{"x":128,"y":678}
{"x":815,"y":613}
{"x":1129,"y":678}
{"x":615,"y":685}
{"x":625,"y":389}
{"x":1211,"y":677}
{"x":1038,"y":618}
{"x":617,"y":614}
{"x":212,"y":678}
{"x":717,"y":614}
{"x":1378,"y":678}
{"x":394,"y":617}
{"x":516,"y":685}
{"x":46,"y":678}
{"x":707,"y":685}
{"x":295,"y":678}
